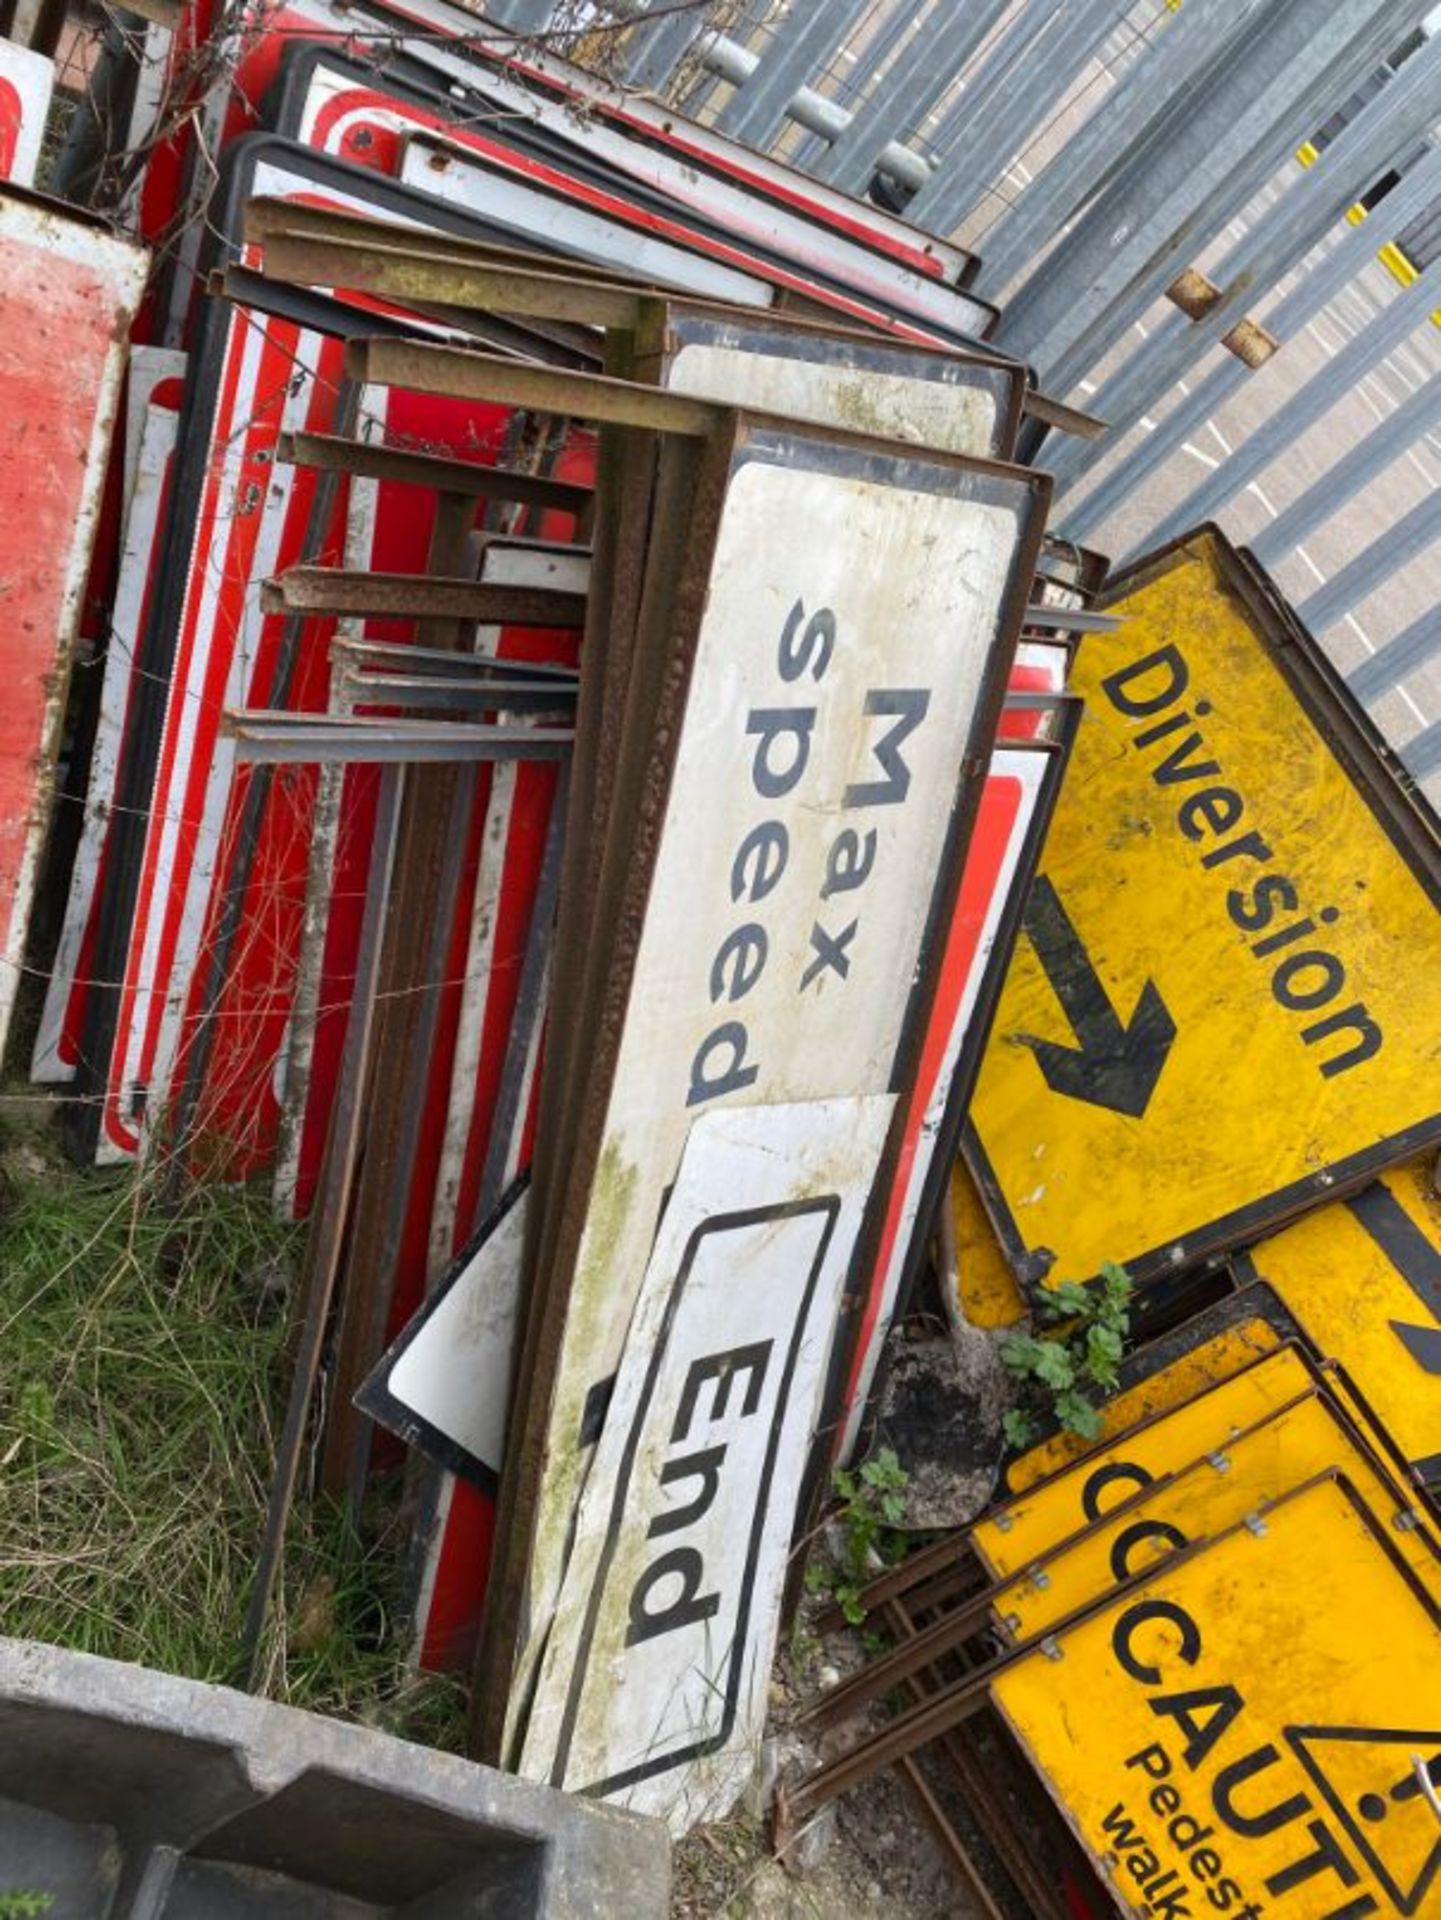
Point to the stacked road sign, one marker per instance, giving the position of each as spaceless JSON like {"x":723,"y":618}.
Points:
{"x":582,"y":730}
{"x":1214,"y":1629}
{"x":587,"y":687}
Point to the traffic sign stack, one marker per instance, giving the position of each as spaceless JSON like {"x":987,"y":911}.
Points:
{"x":1208,"y":1062}
{"x":588,"y":688}
{"x":580,"y":805}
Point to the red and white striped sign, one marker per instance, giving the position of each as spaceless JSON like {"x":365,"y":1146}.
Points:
{"x":68,"y":292}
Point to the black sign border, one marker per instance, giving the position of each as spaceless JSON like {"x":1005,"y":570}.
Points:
{"x":829,"y":1206}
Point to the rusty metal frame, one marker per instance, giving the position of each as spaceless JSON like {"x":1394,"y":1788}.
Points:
{"x":370,"y":460}
{"x":453,"y":693}
{"x":325,"y":1247}
{"x":413,"y":596}
{"x":439,"y":279}
{"x":619,"y":878}
{"x":315,"y":738}
{"x":376,"y":656}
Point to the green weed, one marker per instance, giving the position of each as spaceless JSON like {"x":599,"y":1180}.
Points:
{"x":142,"y":1382}
{"x":871,"y":1510}
{"x":1064,"y":1372}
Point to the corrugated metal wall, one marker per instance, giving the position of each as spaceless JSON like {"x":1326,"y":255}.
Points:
{"x":1089,"y":151}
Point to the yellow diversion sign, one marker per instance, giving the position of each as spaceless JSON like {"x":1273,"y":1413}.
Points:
{"x":1254,"y":1731}
{"x":1363,"y":1279}
{"x":1212,"y":1019}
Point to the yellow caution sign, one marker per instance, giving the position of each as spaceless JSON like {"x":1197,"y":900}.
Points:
{"x":1013,"y":1536}
{"x":1212,"y":1018}
{"x":1190,"y":1373}
{"x":986,"y":1292}
{"x":1256,"y":1731}
{"x":1310,"y":1437}
{"x":1363,"y":1278}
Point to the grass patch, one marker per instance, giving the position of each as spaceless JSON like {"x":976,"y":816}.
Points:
{"x":142,"y":1381}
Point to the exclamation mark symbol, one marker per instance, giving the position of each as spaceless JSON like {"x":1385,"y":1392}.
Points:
{"x":1375,"y":1806}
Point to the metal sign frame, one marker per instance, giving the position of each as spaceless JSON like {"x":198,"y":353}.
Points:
{"x":260,"y":163}
{"x":570,"y":393}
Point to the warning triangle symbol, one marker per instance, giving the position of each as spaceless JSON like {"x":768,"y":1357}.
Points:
{"x":1370,"y":1779}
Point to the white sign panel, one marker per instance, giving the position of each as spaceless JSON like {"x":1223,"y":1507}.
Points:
{"x":656,"y":1677}
{"x":805,"y":378}
{"x":846,"y":648}
{"x":445,"y":1384}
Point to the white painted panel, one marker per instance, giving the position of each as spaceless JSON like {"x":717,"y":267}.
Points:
{"x":49,"y":1065}
{"x":852,"y":609}
{"x":656,"y":1678}
{"x":932,"y":413}
{"x":520,"y":566}
{"x":444,"y":1385}
{"x":550,"y":222}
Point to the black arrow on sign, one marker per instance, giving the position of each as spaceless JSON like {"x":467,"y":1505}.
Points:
{"x":1114,"y":1066}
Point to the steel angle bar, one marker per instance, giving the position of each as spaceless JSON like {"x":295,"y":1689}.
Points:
{"x":325,"y":1246}
{"x":805,"y":42}
{"x":995,"y":1817}
{"x":417,"y":273}
{"x":482,"y":376}
{"x":439,"y":661}
{"x":329,"y":453}
{"x":1179,"y":48}
{"x":1055,"y":413}
{"x":984,"y":1799}
{"x":1383,"y":134}
{"x":920,"y":75}
{"x":1070,"y":620}
{"x":1280,"y":430}
{"x":1325,"y":279}
{"x":1007,"y":99}
{"x":1422,"y":755}
{"x":442,"y":819}
{"x":268,"y":217}
{"x":877,"y":1677}
{"x":1292,"y":64}
{"x":1398,"y":659}
{"x":455,"y":694}
{"x":283,"y":738}
{"x":1387,"y":555}
{"x":418,"y":596}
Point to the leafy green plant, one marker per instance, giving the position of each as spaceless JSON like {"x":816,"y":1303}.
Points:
{"x":1066,"y":1367}
{"x":870,"y":1512}
{"x":22,"y":1903}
